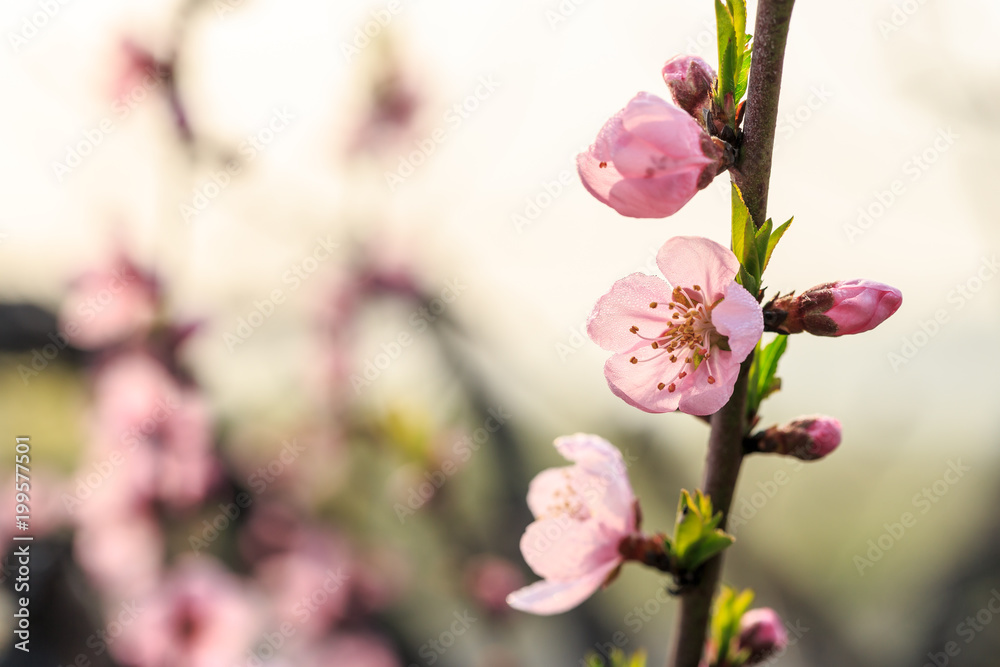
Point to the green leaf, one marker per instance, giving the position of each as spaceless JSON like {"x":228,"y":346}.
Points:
{"x":618,"y":659}
{"x":763,"y":237}
{"x":728,"y":44}
{"x":697,"y":536}
{"x":744,"y":74}
{"x":740,"y":216}
{"x":725,"y":626}
{"x":773,"y":241}
{"x":763,"y":382}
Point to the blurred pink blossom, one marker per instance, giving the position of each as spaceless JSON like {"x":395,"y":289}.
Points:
{"x":582,"y":512}
{"x":678,"y":344}
{"x":144,"y":414}
{"x":649,"y":160}
{"x":309,"y":584}
{"x":199,"y":616}
{"x":762,"y":632}
{"x":110,"y":305}
{"x":354,"y":650}
{"x":490,"y":579}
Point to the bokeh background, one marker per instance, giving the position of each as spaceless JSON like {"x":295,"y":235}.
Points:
{"x":294,"y":298}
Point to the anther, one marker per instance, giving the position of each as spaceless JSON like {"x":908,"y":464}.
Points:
{"x":660,"y":386}
{"x":711,"y":380}
{"x":633,"y":360}
{"x":653,"y":304}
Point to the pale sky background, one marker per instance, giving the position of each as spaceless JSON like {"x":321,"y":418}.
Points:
{"x":868,"y":99}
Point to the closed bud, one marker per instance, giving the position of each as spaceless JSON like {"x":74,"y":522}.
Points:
{"x":762,"y":632}
{"x":691,"y":81}
{"x":806,"y":438}
{"x":833,"y":309}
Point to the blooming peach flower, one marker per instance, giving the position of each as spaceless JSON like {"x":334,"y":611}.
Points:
{"x":836,"y":309}
{"x":678,"y":343}
{"x":582,"y":514}
{"x":200,"y":616}
{"x":649,"y":160}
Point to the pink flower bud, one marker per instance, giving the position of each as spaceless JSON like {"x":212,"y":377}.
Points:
{"x":762,"y":632}
{"x":691,"y":81}
{"x":806,"y":438}
{"x":834,"y":309}
{"x":649,"y":160}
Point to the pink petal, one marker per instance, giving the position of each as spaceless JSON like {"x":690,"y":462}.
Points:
{"x":564,"y":548}
{"x":637,"y":384}
{"x":668,"y":129}
{"x":699,"y":396}
{"x":740,"y":319}
{"x":606,"y":485}
{"x":693,"y":260}
{"x":554,"y":597}
{"x":544,"y":490}
{"x":627,"y":305}
{"x":654,"y":197}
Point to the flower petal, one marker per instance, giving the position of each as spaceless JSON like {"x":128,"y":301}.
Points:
{"x":638,"y":384}
{"x":564,"y":548}
{"x":740,"y":319}
{"x":668,"y":129}
{"x":603,"y":480}
{"x":694,"y":260}
{"x":625,"y":306}
{"x":547,"y":488}
{"x":555,"y":597}
{"x":701,"y":397}
{"x":654,"y":197}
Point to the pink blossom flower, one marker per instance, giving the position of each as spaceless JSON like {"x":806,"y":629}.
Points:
{"x":315,"y":573}
{"x":806,"y":438}
{"x":582,"y":514}
{"x":146,"y":416}
{"x":649,"y":160}
{"x":678,"y":343}
{"x":836,"y":309}
{"x":490,"y":579}
{"x":358,"y":649}
{"x":762,"y":631}
{"x":691,"y":81}
{"x":110,"y":305}
{"x":200,"y":616}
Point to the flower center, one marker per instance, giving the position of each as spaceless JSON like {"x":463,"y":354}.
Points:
{"x":568,"y":502}
{"x":689,"y":333}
